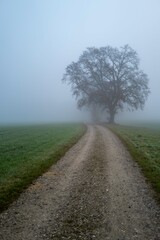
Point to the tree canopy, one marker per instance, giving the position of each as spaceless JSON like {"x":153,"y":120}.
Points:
{"x":110,"y":78}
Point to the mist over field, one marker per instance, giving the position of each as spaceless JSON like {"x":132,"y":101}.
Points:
{"x":40,"y":38}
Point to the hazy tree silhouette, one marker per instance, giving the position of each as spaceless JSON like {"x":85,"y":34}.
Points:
{"x":108,"y":77}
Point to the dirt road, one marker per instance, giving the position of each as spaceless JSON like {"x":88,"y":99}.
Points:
{"x":95,"y":191}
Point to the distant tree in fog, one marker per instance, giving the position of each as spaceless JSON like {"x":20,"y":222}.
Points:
{"x":108,"y":77}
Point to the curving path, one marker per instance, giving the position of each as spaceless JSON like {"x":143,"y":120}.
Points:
{"x":96,"y":191}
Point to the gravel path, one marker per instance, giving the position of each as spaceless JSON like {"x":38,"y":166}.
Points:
{"x":96,"y":191}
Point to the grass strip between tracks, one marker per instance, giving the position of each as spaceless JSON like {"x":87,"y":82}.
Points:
{"x":144,"y":146}
{"x":26,"y":152}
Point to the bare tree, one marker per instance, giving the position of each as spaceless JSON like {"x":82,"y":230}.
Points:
{"x":108,"y":77}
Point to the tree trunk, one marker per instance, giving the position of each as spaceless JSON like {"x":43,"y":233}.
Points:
{"x":111,"y":117}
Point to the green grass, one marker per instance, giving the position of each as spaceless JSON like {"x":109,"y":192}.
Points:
{"x":144,"y":124}
{"x":144,"y":146}
{"x":28,"y":151}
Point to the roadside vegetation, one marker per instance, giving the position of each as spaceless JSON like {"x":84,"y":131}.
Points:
{"x":28,"y":151}
{"x":144,"y":145}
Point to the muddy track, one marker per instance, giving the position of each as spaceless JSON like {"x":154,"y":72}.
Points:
{"x":96,"y":191}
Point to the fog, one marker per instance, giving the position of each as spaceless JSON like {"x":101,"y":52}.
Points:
{"x":38,"y":39}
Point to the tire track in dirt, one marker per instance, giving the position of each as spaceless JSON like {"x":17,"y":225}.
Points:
{"x":133,"y":213}
{"x":84,"y":216}
{"x":95,"y":191}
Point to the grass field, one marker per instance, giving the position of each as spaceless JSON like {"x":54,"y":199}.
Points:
{"x":144,"y":145}
{"x":28,"y":151}
{"x":144,"y":124}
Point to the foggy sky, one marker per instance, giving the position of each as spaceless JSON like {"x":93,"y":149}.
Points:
{"x":38,"y":39}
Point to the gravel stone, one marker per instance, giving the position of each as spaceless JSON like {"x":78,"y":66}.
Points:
{"x":96,"y":191}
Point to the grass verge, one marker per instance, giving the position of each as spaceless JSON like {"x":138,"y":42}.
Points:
{"x":144,"y":146}
{"x":27,"y":152}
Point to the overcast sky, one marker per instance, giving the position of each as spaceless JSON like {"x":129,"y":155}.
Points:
{"x":39,"y":38}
